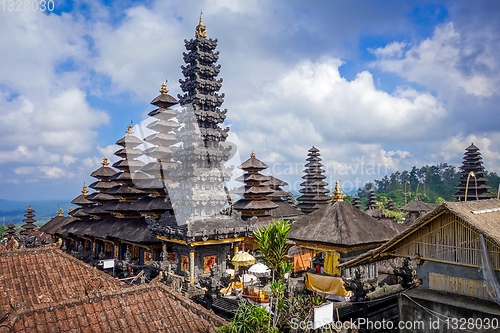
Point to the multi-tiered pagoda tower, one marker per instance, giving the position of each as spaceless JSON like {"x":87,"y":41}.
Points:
{"x":83,"y":202}
{"x":356,"y":201}
{"x":313,"y":191}
{"x":160,"y":155}
{"x":372,"y":200}
{"x":200,"y":195}
{"x":281,"y":198}
{"x":29,"y":222}
{"x":255,"y":200}
{"x":472,"y":164}
{"x":125,"y":191}
{"x":102,"y":185}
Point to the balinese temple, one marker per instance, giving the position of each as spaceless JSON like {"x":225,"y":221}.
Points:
{"x":11,"y":230}
{"x":341,"y":231}
{"x":255,"y":201}
{"x":372,"y":206}
{"x":281,"y":198}
{"x":356,"y":201}
{"x":101,"y":186}
{"x":125,"y":191}
{"x":29,"y":222}
{"x":313,"y":191}
{"x":473,"y":166}
{"x":83,"y":204}
{"x":202,"y":233}
{"x":372,"y":200}
{"x":160,"y":158}
{"x":415,"y":209}
{"x":390,"y":204}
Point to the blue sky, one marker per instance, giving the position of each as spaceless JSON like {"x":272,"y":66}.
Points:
{"x":382,"y":84}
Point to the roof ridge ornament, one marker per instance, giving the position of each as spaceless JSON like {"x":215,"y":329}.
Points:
{"x":252,"y":155}
{"x":105,"y":162}
{"x":129,"y":129}
{"x":85,"y":191}
{"x":60,"y":212}
{"x":201,"y":30}
{"x":337,"y":193}
{"x":164,"y":89}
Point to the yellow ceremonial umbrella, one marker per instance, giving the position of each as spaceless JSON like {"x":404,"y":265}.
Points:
{"x":243,"y":259}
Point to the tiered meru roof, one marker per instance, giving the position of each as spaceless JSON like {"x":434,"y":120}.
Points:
{"x":313,"y":191}
{"x":29,"y":226}
{"x":200,"y":197}
{"x":160,"y":156}
{"x":477,"y":189}
{"x":255,"y":200}
{"x":280,"y":197}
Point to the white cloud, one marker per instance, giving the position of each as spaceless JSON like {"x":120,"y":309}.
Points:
{"x":54,"y":172}
{"x":436,"y":63}
{"x":68,"y":159}
{"x":45,"y":114}
{"x":24,"y":170}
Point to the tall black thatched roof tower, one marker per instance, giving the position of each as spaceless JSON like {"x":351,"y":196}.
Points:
{"x":472,"y":164}
{"x":313,"y":191}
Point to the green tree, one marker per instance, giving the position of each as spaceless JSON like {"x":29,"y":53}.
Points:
{"x":249,"y":319}
{"x":273,"y":244}
{"x":440,"y":200}
{"x":3,"y":232}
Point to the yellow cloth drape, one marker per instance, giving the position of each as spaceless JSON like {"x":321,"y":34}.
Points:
{"x":331,"y":263}
{"x":326,"y":284}
{"x":232,"y":285}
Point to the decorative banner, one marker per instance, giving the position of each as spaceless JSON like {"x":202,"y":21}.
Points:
{"x":208,"y":261}
{"x":147,"y":258}
{"x":107,"y":247}
{"x":117,"y":251}
{"x":184,"y":263}
{"x":93,"y":248}
{"x":171,"y":256}
{"x":136,"y":252}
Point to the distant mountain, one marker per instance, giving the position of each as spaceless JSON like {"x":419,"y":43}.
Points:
{"x":44,"y":210}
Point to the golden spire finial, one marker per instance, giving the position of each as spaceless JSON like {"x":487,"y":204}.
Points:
{"x":105,"y":162}
{"x":252,"y":155}
{"x":337,"y":193}
{"x":70,"y":209}
{"x":129,"y":129}
{"x":60,"y":212}
{"x":85,"y":191}
{"x":201,"y":30}
{"x":164,"y":89}
{"x":29,"y":207}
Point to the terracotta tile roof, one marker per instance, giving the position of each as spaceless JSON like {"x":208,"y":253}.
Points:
{"x":46,"y":290}
{"x":147,"y":308}
{"x":36,"y":276}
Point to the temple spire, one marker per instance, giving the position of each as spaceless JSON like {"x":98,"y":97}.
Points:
{"x":105,"y":162}
{"x":201,"y":30}
{"x":60,"y":212}
{"x":85,"y":190}
{"x":129,"y":130}
{"x":337,"y":193}
{"x":164,"y":89}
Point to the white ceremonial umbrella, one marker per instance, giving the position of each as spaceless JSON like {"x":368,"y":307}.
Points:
{"x":259,"y":270}
{"x":248,"y":278}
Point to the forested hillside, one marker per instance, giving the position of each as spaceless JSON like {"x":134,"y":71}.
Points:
{"x":435,"y":184}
